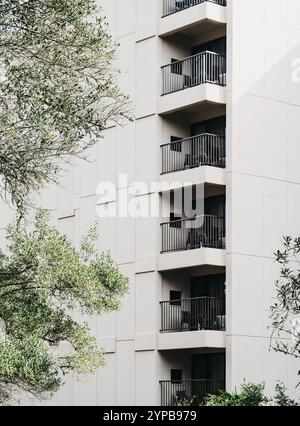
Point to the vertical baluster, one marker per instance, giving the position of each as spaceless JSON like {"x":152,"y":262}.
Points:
{"x":207,"y":67}
{"x":210,"y":149}
{"x":204,"y":150}
{"x":214,"y":148}
{"x":201,"y":70}
{"x":167,"y":315}
{"x":216,"y":68}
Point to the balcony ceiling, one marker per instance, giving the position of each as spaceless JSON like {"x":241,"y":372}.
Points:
{"x":196,"y":29}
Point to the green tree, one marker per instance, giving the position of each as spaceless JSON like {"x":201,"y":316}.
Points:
{"x":58,"y":88}
{"x":250,"y":395}
{"x":43,"y":280}
{"x":58,"y":92}
{"x":285,"y":312}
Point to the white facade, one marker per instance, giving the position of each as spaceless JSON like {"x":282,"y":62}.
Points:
{"x":261,"y":182}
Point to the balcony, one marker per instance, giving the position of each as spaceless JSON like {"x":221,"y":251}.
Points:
{"x":188,"y":234}
{"x":173,"y":6}
{"x":202,"y":313}
{"x":206,"y":67}
{"x":203,"y":18}
{"x":174,"y":393}
{"x":202,"y":150}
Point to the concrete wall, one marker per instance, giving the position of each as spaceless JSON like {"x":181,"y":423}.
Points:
{"x":262,"y":179}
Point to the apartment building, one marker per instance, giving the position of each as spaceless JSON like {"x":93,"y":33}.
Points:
{"x":217,"y":107}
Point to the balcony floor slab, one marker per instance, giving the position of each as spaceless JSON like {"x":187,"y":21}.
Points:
{"x":192,"y":340}
{"x":190,"y":258}
{"x":193,"y":99}
{"x":195,"y":176}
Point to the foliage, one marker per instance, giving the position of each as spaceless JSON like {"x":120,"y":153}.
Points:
{"x":186,"y":402}
{"x":281,"y":399}
{"x":58,"y":88}
{"x":43,"y":279}
{"x":251,"y":395}
{"x":285,"y":313}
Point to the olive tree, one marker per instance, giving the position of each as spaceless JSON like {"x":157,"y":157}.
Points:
{"x":43,"y":280}
{"x":58,"y":88}
{"x":285,"y":312}
{"x":58,"y":92}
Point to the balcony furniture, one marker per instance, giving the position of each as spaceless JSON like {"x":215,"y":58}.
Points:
{"x":222,"y":79}
{"x":197,"y":238}
{"x":185,"y":320}
{"x":187,"y":81}
{"x":221,"y":322}
{"x":222,"y":162}
{"x":192,"y":159}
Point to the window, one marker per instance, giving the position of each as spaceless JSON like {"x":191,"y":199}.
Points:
{"x":175,"y":146}
{"x":176,"y":67}
{"x":176,"y":376}
{"x":216,"y":126}
{"x":217,"y":46}
{"x":175,"y":298}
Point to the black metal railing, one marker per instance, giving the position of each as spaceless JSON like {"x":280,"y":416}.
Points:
{"x":188,"y":234}
{"x":192,"y":392}
{"x":206,"y":67}
{"x":201,"y":313}
{"x":174,"y":6}
{"x":202,"y":150}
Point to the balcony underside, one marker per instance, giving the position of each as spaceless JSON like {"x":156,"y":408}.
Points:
{"x":193,"y":100}
{"x":191,"y":258}
{"x":192,"y":340}
{"x":201,"y":18}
